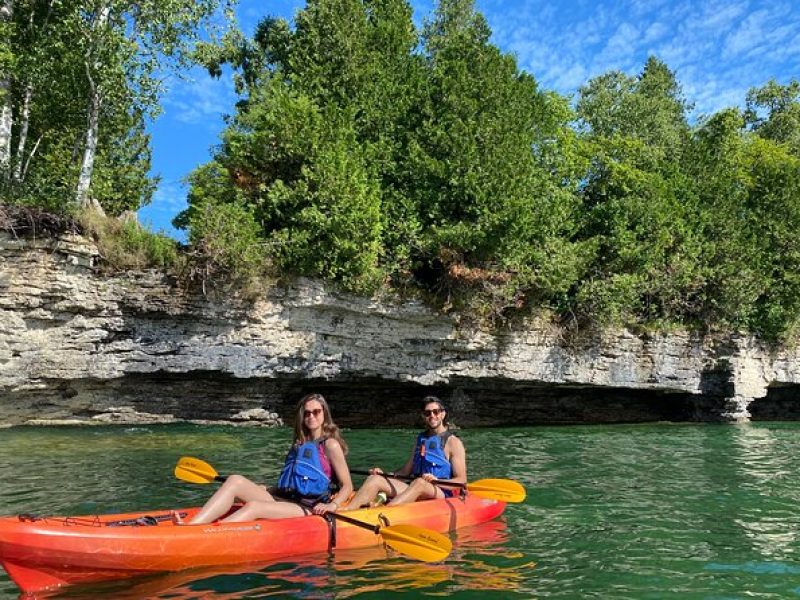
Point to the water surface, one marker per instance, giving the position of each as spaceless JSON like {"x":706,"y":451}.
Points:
{"x":639,"y":511}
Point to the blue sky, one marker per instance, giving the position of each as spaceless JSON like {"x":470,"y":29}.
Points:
{"x":718,"y":49}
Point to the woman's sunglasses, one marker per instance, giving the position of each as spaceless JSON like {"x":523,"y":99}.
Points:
{"x":314,"y":411}
{"x":432,"y":412}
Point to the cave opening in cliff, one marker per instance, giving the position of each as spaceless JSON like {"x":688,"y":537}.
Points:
{"x":363,"y":402}
{"x":782,"y":403}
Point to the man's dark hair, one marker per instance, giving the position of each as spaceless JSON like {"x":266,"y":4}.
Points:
{"x":428,"y":399}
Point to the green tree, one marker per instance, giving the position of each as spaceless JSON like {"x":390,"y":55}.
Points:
{"x":650,"y":108}
{"x":124,"y":42}
{"x":641,"y":213}
{"x":488,"y":191}
{"x":384,"y":150}
{"x":747,"y":189}
{"x":717,"y":164}
{"x":42,"y":98}
{"x":773,"y":202}
{"x":357,"y":60}
{"x":81,"y":84}
{"x":314,"y":137}
{"x":781,"y":123}
{"x":362,"y":148}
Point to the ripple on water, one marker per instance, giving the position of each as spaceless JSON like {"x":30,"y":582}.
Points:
{"x":634,"y":511}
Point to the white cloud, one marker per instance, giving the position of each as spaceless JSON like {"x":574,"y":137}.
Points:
{"x":719,"y":16}
{"x":718,"y":49}
{"x":617,"y":51}
{"x":748,"y":36}
{"x":644,"y":7}
{"x":200,"y":100}
{"x":170,"y":196}
{"x":571,"y":78}
{"x":654,"y":32}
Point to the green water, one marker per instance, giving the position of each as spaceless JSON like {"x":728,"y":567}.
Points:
{"x":643,"y":511}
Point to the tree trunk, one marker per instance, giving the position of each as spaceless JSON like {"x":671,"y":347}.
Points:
{"x":22,"y":162}
{"x":5,"y":124}
{"x":25,"y":118}
{"x":92,"y":121}
{"x":30,"y":157}
{"x":6,"y":115}
{"x":89,"y":148}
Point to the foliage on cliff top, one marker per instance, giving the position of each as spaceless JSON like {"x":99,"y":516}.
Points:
{"x":124,"y":244}
{"x":378,"y":155}
{"x":369,"y":152}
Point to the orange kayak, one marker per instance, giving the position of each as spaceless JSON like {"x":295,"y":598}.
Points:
{"x":41,"y":553}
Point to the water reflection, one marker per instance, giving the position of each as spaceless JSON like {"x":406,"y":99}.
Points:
{"x":314,"y":576}
{"x":481,"y":560}
{"x":758,"y":454}
{"x":768,"y":520}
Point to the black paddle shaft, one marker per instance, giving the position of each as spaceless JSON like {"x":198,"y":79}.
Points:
{"x":352,"y":521}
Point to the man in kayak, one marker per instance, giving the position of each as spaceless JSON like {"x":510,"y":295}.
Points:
{"x":314,"y":469}
{"x":437,"y":455}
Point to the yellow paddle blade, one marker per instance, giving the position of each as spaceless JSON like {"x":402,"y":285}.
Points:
{"x":506,"y":490}
{"x":195,"y":470}
{"x":423,"y":544}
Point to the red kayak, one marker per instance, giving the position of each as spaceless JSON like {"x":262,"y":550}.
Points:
{"x":40,"y":553}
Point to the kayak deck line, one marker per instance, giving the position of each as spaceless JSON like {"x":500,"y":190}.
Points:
{"x":42,"y":553}
{"x":96,"y":520}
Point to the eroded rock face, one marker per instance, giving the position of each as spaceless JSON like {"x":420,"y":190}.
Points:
{"x":75,"y":344}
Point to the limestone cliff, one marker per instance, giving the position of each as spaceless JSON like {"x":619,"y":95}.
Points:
{"x":80,"y":346}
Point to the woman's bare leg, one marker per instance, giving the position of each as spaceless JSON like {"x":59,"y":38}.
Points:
{"x":234,"y":487}
{"x":266,"y":510}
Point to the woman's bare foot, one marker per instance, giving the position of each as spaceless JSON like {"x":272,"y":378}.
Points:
{"x":176,"y":517}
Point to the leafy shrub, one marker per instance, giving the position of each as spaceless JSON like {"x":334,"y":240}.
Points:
{"x":226,"y":244}
{"x":125,"y":244}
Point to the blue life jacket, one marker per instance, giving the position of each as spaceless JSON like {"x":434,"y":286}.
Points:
{"x":302,"y":474}
{"x":429,"y":456}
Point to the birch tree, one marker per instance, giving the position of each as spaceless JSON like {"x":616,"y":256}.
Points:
{"x":94,"y":65}
{"x":6,"y":12}
{"x":37,"y":49}
{"x":78,"y":81}
{"x":44,"y":85}
{"x":135,"y":39}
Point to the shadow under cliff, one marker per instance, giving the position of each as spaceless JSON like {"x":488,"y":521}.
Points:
{"x":208,"y":396}
{"x":782,"y":403}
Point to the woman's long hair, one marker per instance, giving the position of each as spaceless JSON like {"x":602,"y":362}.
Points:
{"x":329,"y":428}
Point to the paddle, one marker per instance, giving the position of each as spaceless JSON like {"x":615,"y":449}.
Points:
{"x":506,"y":490}
{"x":195,"y":470}
{"x":423,"y":544}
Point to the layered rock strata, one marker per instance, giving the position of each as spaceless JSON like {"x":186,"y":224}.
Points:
{"x":80,"y":346}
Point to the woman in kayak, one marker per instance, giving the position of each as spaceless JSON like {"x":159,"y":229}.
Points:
{"x":437,"y":454}
{"x":315,"y":467}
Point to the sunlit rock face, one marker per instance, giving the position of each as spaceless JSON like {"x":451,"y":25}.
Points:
{"x":80,"y":346}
